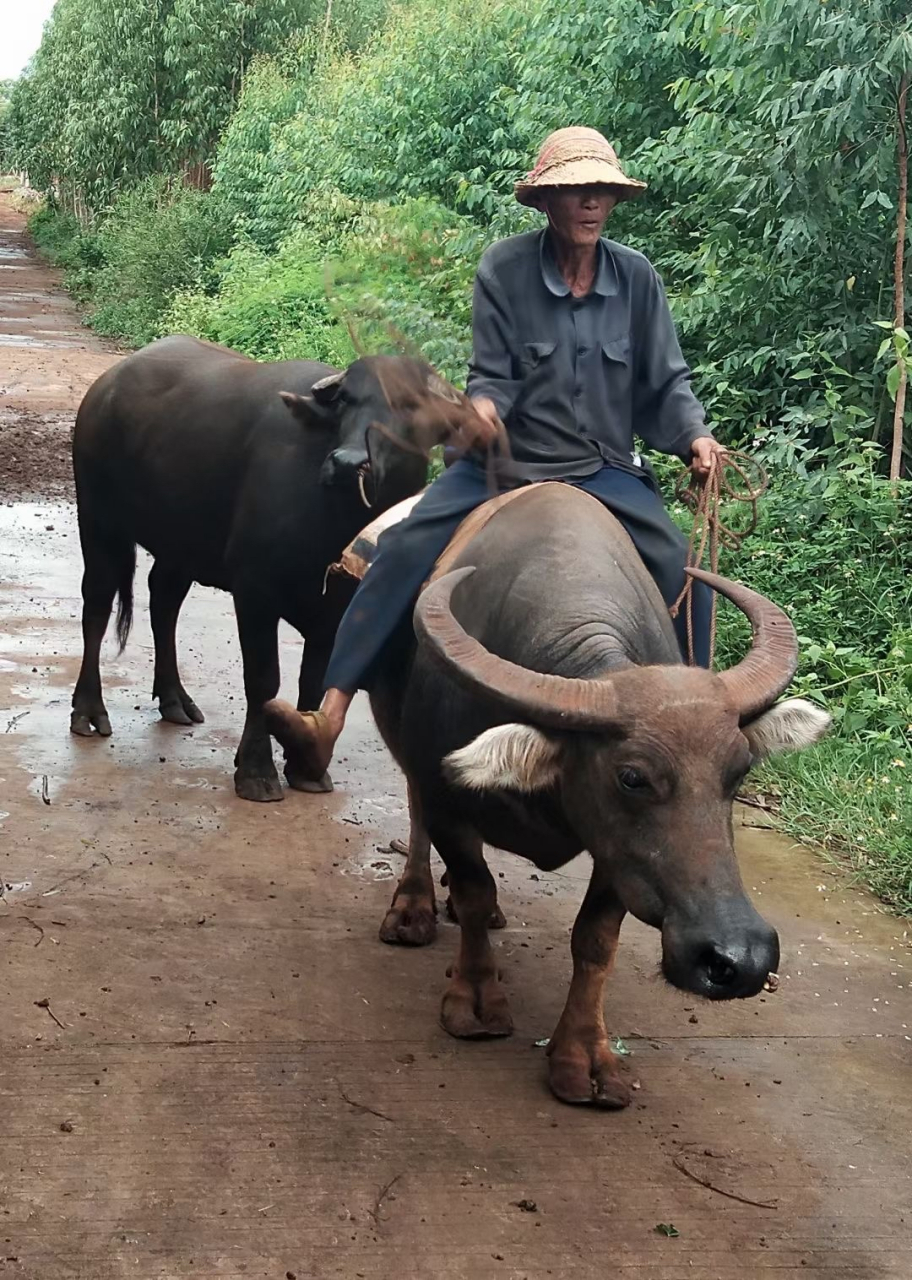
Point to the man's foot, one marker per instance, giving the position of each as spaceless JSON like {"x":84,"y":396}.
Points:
{"x":308,"y":740}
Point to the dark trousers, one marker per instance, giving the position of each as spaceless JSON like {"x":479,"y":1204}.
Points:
{"x":407,"y":552}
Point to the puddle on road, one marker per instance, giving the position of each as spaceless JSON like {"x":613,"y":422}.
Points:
{"x":368,"y":866}
{"x":20,"y":340}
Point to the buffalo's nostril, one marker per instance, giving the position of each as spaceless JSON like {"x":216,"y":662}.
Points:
{"x":720,"y":969}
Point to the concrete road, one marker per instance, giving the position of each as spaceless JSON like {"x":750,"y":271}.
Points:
{"x":210,"y":1067}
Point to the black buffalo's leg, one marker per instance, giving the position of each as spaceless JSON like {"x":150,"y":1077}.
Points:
{"x":474,"y":1004}
{"x":106,"y":562}
{"x":313,"y":668}
{"x":498,"y":919}
{"x":412,"y":917}
{"x":255,"y":776}
{"x":582,"y":1067}
{"x":168,"y":587}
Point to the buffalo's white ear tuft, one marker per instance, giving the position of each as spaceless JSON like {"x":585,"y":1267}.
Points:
{"x":788,"y":726}
{"x":514,"y":757}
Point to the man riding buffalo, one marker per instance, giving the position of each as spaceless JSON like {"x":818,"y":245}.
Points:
{"x":574,"y":353}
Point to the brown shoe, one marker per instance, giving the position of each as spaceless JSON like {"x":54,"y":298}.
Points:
{"x":308,"y":743}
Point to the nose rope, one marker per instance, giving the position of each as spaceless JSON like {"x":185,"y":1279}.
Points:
{"x":710,"y":530}
{"x":362,"y":490}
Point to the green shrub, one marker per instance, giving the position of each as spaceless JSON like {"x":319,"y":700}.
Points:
{"x":271,"y":308}
{"x":159,"y":237}
{"x":352,"y":277}
{"x":69,"y":245}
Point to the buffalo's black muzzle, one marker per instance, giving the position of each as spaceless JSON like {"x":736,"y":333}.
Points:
{"x":729,"y":957}
{"x":345,"y":466}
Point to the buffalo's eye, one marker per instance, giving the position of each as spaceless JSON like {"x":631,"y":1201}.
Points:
{"x":633,"y":780}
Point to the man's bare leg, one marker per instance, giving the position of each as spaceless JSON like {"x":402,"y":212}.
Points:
{"x":309,"y":738}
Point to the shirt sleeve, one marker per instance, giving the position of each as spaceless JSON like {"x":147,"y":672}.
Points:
{"x":491,"y":366}
{"x":667,"y":414}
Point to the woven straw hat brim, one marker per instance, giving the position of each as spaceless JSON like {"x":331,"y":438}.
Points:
{"x":578,"y":173}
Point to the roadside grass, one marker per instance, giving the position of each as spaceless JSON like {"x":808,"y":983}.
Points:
{"x":852,"y":800}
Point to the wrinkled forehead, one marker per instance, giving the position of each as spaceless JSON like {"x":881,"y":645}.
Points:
{"x":681,"y":708}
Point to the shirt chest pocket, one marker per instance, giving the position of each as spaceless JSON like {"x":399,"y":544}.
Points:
{"x":617,"y":369}
{"x":533,"y":355}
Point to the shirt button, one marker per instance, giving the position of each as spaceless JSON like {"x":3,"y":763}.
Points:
{"x":577,"y":393}
{"x":581,"y":351}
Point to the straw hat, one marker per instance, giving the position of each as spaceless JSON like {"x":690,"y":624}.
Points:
{"x":576,"y":157}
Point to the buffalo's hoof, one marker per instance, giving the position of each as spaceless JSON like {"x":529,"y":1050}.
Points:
{"x":497,"y":921}
{"x":182,"y":711}
{"x":87,"y":726}
{"x":585,"y":1077}
{"x":476,"y":1013}
{"x":410,"y":922}
{"x":261,"y":790}
{"x":298,"y":782}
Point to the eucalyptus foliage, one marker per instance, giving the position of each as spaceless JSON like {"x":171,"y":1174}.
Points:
{"x":121,"y":89}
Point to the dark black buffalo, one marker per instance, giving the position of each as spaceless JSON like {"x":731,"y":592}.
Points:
{"x":545,"y":710}
{"x":249,"y":477}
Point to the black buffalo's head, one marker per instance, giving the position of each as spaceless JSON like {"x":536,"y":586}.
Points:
{"x":387,"y":413}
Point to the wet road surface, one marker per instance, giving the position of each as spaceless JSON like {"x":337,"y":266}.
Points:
{"x":210,"y":1067}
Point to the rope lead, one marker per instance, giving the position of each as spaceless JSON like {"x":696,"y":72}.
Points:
{"x":705,"y":501}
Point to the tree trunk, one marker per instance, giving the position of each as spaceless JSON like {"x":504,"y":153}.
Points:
{"x":899,"y":301}
{"x":327,"y":25}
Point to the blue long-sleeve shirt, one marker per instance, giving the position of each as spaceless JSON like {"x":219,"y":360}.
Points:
{"x":575,"y":378}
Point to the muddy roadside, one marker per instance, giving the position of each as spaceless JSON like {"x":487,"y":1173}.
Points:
{"x":48,"y":360}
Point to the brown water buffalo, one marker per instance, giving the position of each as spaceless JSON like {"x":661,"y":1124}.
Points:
{"x":545,"y":710}
{"x":249,"y":477}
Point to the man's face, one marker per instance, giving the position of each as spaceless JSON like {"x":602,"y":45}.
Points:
{"x":578,"y":214}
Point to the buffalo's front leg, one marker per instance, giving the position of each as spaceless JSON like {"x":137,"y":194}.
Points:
{"x":582,"y":1068}
{"x":255,"y":776}
{"x":474,"y":1004}
{"x":412,"y":917}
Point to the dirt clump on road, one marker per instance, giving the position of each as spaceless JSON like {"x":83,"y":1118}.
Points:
{"x":35,"y":455}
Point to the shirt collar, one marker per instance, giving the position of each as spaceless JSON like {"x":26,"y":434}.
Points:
{"x":605,"y":283}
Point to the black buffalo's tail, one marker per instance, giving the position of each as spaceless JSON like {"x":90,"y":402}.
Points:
{"x":126,"y":573}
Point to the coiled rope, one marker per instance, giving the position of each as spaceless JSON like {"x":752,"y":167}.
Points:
{"x":735,"y":477}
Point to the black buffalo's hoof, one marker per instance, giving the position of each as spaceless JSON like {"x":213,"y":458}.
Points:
{"x":87,"y":726}
{"x":181,"y":711}
{"x":260,"y":790}
{"x":410,"y":922}
{"x":298,"y":782}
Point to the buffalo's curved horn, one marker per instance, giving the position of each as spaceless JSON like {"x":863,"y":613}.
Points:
{"x":556,"y":702}
{"x":759,"y":678}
